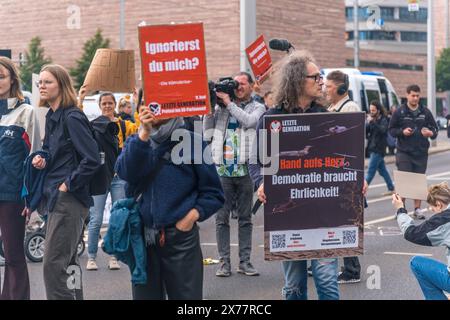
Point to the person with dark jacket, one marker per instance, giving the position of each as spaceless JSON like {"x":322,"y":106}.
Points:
{"x":376,"y":134}
{"x":413,"y":124}
{"x":74,"y":159}
{"x":175,"y":198}
{"x":433,"y":276}
{"x":121,"y":130}
{"x":19,"y":136}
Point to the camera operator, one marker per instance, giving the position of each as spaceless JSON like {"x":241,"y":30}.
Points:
{"x":230,"y":128}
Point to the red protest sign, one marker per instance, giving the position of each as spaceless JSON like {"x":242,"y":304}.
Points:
{"x":259,"y":58}
{"x":174,"y":70}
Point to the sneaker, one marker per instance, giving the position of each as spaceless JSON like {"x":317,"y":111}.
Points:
{"x":418,"y":215}
{"x":247,"y":269}
{"x":310,"y":271}
{"x":388,"y":193}
{"x":224,"y":270}
{"x":91,"y":265}
{"x":113,"y":264}
{"x":345,"y":278}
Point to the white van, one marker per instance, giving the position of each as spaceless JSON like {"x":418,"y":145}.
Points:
{"x":91,"y":108}
{"x":367,"y":86}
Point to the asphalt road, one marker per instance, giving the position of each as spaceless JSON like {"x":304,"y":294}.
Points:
{"x":385,"y":263}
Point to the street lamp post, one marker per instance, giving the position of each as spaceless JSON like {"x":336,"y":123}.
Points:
{"x":122,"y":24}
{"x":356,"y":33}
{"x":431,"y":60}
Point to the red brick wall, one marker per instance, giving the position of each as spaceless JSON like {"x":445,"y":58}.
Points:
{"x":307,"y":25}
{"x":23,"y":20}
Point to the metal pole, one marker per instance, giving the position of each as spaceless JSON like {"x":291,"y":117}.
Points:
{"x":248,"y":30}
{"x":431,"y":60}
{"x":122,"y":24}
{"x":446,"y":23}
{"x":356,"y":33}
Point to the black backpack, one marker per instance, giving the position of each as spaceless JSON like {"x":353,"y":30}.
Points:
{"x":104,"y":132}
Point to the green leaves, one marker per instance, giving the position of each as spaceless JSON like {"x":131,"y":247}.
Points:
{"x":79,"y":72}
{"x":443,"y":71}
{"x":34,"y":60}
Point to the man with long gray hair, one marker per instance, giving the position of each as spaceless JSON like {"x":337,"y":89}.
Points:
{"x":298,"y":84}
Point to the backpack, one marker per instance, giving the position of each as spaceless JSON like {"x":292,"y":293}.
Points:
{"x":107,"y":143}
{"x":105,"y":134}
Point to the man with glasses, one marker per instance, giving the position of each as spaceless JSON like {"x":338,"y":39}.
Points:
{"x":298,"y":87}
{"x":230,"y":130}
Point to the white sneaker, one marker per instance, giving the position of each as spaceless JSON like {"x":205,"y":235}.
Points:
{"x":113,"y":264}
{"x":91,"y":265}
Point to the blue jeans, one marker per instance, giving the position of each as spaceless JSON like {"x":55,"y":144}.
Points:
{"x":376,"y":162}
{"x":433,"y":277}
{"x":325,"y":273}
{"x":117,"y":190}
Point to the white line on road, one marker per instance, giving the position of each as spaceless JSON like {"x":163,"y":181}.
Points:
{"x":214,"y":244}
{"x":391,"y":217}
{"x":408,"y":254}
{"x":430,"y":177}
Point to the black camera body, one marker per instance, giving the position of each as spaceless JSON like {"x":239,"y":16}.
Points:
{"x":226,"y":85}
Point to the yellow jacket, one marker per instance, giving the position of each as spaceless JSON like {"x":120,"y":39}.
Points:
{"x":130,"y":129}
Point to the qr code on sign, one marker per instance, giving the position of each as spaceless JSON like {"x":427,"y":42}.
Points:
{"x":278,"y":241}
{"x":349,"y":236}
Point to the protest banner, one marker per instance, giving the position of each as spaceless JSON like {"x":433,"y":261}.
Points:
{"x":411,"y":185}
{"x":314,"y":203}
{"x":111,"y":70}
{"x":259,"y":58}
{"x":174,"y":70}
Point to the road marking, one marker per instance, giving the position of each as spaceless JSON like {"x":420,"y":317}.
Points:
{"x":430,"y":177}
{"x":391,"y":217}
{"x":408,"y":254}
{"x":214,"y":244}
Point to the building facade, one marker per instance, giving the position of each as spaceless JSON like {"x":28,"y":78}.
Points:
{"x":65,"y":25}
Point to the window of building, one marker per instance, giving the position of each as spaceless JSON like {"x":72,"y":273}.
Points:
{"x":373,"y":35}
{"x":385,"y":65}
{"x":409,"y":36}
{"x":418,"y":17}
{"x":363,"y":14}
{"x":387,"y":14}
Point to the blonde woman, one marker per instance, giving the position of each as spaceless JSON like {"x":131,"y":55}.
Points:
{"x":74,"y":159}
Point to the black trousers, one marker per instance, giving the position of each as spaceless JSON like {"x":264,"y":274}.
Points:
{"x":352,"y":266}
{"x":12,"y":225}
{"x":175,"y":269}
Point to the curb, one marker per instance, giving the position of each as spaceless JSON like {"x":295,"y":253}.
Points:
{"x":391,"y":159}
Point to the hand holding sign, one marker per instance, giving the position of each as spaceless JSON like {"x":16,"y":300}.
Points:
{"x":397,"y":201}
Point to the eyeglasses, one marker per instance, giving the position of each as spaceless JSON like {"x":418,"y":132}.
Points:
{"x":40,"y":83}
{"x":317,"y":77}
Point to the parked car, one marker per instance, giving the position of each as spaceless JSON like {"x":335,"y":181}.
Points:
{"x":91,"y":108}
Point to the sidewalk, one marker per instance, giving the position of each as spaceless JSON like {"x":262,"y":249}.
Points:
{"x":442,"y":146}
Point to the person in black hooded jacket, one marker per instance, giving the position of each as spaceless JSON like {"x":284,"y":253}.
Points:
{"x":376,"y":134}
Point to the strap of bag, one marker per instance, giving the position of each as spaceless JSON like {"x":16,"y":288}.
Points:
{"x":145,"y":182}
{"x":123,"y":128}
{"x":340,"y":108}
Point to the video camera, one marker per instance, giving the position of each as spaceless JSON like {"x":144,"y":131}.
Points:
{"x":226,"y":85}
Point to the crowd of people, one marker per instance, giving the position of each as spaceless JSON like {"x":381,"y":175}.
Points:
{"x":133,"y":151}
